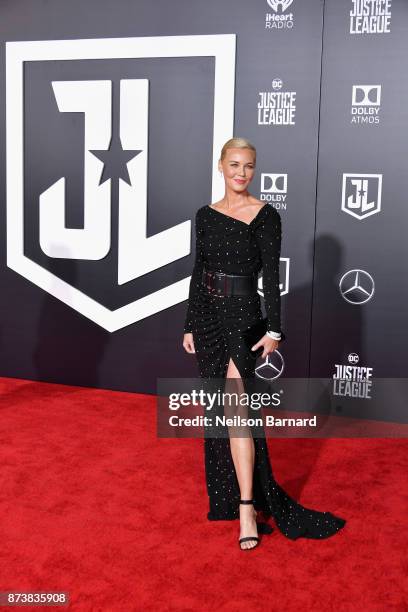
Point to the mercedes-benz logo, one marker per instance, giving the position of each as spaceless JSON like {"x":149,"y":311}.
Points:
{"x":356,"y":286}
{"x":273,"y":364}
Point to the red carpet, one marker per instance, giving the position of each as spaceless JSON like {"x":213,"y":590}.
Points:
{"x":93,"y":503}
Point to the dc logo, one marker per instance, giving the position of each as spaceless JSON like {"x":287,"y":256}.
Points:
{"x":282,"y":4}
{"x":277,"y":83}
{"x":353,"y":358}
{"x":361,"y":194}
{"x":366,"y":95}
{"x":94,"y":265}
{"x":274,"y":183}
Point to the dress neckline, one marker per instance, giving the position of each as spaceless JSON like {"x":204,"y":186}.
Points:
{"x":239,"y":220}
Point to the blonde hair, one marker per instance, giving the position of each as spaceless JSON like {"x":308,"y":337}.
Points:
{"x":237,"y":143}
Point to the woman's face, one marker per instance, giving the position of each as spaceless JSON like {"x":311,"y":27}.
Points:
{"x":238,"y":167}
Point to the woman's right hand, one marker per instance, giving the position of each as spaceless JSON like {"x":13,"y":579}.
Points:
{"x":188,"y":343}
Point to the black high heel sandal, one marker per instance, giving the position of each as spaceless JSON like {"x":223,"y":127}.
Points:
{"x":248,"y":538}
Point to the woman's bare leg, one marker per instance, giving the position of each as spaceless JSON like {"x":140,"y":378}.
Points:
{"x":243,"y":455}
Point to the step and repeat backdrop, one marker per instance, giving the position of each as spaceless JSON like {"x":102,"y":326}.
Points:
{"x":113,"y":118}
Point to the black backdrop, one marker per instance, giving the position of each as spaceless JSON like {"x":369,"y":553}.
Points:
{"x":339,"y":160}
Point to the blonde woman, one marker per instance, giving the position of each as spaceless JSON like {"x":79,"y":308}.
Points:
{"x":236,"y":237}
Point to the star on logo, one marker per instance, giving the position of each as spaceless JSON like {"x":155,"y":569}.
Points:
{"x":115,"y":161}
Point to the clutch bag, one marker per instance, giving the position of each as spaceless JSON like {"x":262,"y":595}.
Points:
{"x":254,"y":333}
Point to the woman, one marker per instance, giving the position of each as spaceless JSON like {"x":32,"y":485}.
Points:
{"x":235,"y":238}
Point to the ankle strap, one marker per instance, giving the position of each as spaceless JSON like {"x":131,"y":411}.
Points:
{"x":246,"y":501}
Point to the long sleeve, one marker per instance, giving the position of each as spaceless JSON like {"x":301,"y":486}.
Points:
{"x":196,"y":275}
{"x":268,"y":235}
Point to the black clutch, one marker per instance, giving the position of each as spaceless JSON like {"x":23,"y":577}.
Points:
{"x":254,"y":333}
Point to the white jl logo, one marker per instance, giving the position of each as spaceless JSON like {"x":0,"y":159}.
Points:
{"x":355,"y":189}
{"x":137,"y":253}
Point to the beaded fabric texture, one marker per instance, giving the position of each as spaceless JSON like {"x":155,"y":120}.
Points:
{"x":225,"y":244}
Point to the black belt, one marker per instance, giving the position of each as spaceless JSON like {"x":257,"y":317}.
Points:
{"x":224,"y":285}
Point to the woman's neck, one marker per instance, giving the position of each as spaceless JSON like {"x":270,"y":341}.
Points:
{"x":232,"y":199}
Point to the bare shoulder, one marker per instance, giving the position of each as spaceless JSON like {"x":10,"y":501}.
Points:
{"x":258,"y":203}
{"x":213,"y":204}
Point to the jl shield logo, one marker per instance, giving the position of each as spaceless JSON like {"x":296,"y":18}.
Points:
{"x":361,"y":194}
{"x":115,"y":161}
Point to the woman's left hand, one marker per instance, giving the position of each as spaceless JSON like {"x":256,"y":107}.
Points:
{"x":268,"y":343}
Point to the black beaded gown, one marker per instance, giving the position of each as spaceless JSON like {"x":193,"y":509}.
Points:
{"x":228,"y":245}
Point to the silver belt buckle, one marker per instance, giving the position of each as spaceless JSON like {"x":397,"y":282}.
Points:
{"x":221,"y":274}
